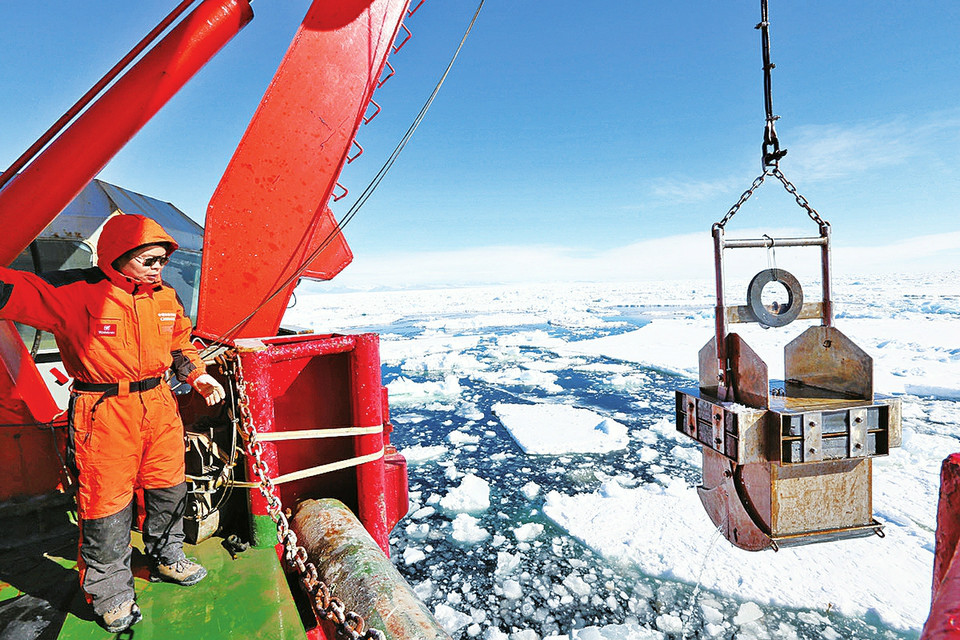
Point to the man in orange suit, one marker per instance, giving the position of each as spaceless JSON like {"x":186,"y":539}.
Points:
{"x":119,"y":328}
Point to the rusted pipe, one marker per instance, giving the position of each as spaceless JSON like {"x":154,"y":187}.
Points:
{"x":723,"y":384}
{"x":350,"y":562}
{"x":825,"y":260}
{"x":764,"y":243}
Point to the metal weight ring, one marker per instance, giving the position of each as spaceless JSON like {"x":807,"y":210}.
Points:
{"x":784,"y":314}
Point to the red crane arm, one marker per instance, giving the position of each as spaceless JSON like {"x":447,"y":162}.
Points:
{"x":269,"y":213}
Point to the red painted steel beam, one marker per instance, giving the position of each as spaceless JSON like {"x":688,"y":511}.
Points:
{"x":366,"y":398}
{"x":269,"y":213}
{"x":34,"y":197}
{"x":944,"y":619}
{"x":93,"y":92}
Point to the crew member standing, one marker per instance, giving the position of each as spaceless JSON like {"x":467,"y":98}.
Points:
{"x":119,"y":329}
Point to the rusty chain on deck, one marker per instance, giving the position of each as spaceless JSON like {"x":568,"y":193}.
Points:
{"x":325,"y":606}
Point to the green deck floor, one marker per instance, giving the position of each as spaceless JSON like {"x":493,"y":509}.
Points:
{"x":246,"y":597}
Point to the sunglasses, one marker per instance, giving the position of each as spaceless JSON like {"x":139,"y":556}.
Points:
{"x":153,"y":260}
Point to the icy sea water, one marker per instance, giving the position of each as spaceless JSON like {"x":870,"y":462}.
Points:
{"x":563,"y":585}
{"x":506,"y":570}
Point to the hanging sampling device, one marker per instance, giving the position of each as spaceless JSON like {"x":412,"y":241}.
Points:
{"x":788,"y":463}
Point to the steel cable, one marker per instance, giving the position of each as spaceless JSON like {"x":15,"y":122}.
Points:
{"x":367,"y":192}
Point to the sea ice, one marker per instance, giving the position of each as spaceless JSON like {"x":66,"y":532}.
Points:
{"x":404,"y":391}
{"x":412,"y":555}
{"x":748,"y":612}
{"x":553,"y":429}
{"x":512,"y":589}
{"x":507,"y":562}
{"x":459,"y":438}
{"x":471,"y":496}
{"x":449,"y":618}
{"x":467,"y":530}
{"x":643,"y":513}
{"x":528,"y":532}
{"x":417,"y":454}
{"x":530,"y":490}
{"x":417,"y":531}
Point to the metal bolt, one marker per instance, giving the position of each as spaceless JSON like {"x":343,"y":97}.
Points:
{"x":858,"y":420}
{"x":858,"y":446}
{"x":826,"y":344}
{"x":812,"y":450}
{"x":811,"y":424}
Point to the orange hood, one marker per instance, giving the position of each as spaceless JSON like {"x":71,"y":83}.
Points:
{"x":123,"y":232}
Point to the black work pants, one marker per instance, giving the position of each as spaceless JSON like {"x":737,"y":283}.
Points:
{"x":105,"y":574}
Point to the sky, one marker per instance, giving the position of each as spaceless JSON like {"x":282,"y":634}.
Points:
{"x":571,"y":141}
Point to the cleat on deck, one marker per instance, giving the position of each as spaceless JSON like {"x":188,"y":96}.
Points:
{"x":122,"y":617}
{"x":183,"y":572}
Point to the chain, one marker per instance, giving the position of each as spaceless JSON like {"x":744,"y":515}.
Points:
{"x":325,"y":606}
{"x":743,"y":198}
{"x":792,"y":190}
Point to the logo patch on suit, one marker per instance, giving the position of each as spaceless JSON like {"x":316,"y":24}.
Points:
{"x":107,"y":329}
{"x":167,"y":319}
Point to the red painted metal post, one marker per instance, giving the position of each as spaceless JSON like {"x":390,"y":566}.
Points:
{"x":944,"y":619}
{"x":366,"y":396}
{"x":256,"y":365}
{"x":34,"y":197}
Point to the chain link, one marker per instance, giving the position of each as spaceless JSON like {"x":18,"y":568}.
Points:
{"x":743,"y":198}
{"x":791,"y":189}
{"x":771,"y":144}
{"x":326,"y":607}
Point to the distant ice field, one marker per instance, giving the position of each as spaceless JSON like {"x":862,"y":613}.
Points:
{"x":551,"y":496}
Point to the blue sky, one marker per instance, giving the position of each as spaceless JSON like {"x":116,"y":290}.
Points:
{"x":573,"y":138}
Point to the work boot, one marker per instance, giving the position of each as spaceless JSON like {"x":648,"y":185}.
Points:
{"x":183,"y":572}
{"x":122,"y":617}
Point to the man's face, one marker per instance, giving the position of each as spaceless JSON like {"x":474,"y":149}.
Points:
{"x":145,"y":265}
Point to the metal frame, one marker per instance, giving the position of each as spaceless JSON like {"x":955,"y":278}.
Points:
{"x":823,"y":309}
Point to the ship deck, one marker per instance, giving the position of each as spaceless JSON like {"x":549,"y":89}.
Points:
{"x":243,"y":597}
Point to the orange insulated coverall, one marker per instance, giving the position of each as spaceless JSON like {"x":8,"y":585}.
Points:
{"x":113,"y":331}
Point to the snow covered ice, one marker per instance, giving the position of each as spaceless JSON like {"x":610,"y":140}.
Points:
{"x":551,"y":496}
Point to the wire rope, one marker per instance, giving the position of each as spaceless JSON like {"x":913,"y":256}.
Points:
{"x":367,"y":192}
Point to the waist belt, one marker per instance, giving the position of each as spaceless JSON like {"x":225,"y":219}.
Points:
{"x":112,"y":388}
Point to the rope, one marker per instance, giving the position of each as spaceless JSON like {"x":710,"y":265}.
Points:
{"x":367,"y":192}
{"x":313,"y":471}
{"x":310,"y":434}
